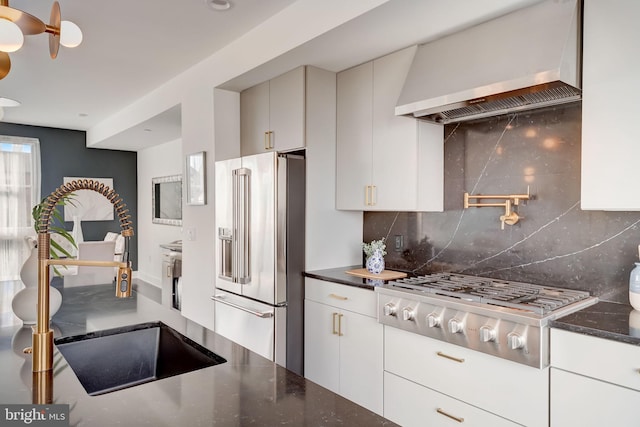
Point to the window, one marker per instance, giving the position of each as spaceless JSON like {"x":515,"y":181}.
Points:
{"x":19,"y":192}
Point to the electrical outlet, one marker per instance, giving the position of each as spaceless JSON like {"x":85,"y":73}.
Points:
{"x":399,"y":244}
{"x":191,"y":234}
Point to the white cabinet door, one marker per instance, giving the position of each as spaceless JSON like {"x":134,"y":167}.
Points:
{"x":395,"y":141}
{"x":343,"y":349}
{"x":254,"y":119}
{"x":272,"y":114}
{"x":354,"y":137}
{"x":361,"y":360}
{"x":385,"y":162}
{"x":581,"y":401}
{"x":611,"y":66}
{"x":287,"y":110}
{"x":321,"y":346}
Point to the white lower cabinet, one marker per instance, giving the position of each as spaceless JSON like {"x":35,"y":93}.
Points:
{"x":343,"y":347}
{"x":462,"y":383}
{"x":594,"y":381}
{"x":582,"y":401}
{"x":410,"y":404}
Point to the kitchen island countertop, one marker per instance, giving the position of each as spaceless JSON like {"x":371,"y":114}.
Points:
{"x":608,"y":320}
{"x":246,"y":390}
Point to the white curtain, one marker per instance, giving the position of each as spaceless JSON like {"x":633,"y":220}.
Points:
{"x":19,"y":192}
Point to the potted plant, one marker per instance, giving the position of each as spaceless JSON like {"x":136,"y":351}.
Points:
{"x":375,"y":252}
{"x":56,"y":250}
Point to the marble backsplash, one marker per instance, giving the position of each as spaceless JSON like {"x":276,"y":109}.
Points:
{"x":555,"y":243}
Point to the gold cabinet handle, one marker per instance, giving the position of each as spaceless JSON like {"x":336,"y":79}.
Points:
{"x":340,"y":325}
{"x":340,"y":297}
{"x":442,"y":412}
{"x":446,"y":356}
{"x":268,"y":140}
{"x":333,"y":324}
{"x":168,"y":271}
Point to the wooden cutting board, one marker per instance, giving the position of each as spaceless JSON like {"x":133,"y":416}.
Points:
{"x":385,"y":275}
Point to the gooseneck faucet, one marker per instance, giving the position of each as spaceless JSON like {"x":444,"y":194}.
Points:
{"x":42,"y":344}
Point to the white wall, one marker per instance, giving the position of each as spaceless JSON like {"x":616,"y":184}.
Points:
{"x":154,"y":162}
{"x":332,"y":237}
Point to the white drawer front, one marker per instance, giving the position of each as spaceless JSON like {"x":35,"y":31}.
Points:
{"x":409,"y":404}
{"x":607,"y":360}
{"x":481,"y":380}
{"x":350,"y":298}
{"x":581,"y":401}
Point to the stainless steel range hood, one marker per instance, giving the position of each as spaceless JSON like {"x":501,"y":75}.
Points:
{"x":527,"y":59}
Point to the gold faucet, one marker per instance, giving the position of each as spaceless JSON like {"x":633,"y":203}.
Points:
{"x":42,"y":344}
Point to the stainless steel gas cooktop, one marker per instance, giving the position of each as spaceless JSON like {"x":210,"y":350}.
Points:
{"x":504,"y":318}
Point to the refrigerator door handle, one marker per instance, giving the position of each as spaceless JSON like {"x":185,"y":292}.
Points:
{"x":242,"y":224}
{"x":262,"y":314}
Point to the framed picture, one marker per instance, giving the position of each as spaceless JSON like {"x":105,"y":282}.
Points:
{"x":196,"y":179}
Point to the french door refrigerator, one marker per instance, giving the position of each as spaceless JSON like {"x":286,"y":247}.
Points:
{"x":259,"y":295}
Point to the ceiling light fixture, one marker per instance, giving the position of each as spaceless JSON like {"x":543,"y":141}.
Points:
{"x":15,"y":24}
{"x":219,"y":5}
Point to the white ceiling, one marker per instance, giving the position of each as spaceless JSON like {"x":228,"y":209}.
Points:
{"x":133,"y":47}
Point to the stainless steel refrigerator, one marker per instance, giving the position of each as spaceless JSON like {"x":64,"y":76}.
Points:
{"x":259,"y":296}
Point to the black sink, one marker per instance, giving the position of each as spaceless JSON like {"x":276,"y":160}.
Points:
{"x":113,"y":359}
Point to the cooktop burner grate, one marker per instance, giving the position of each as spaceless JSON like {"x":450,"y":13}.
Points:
{"x":501,"y":293}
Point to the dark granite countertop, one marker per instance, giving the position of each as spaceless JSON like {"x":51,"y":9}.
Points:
{"x":246,"y":390}
{"x":339,"y":275}
{"x":609,"y":320}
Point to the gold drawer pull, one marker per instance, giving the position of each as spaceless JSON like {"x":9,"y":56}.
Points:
{"x":458,"y":419}
{"x":341,"y":298}
{"x":446,"y":356}
{"x":340,"y":325}
{"x":333,"y":324}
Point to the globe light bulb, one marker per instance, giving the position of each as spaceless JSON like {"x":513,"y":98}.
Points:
{"x":11,"y":37}
{"x":70,"y":34}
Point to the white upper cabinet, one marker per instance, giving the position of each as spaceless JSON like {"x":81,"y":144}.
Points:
{"x":272,"y":114}
{"x":611,"y":66}
{"x":385,"y":162}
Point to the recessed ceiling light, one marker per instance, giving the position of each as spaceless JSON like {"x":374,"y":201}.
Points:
{"x":8,"y":102}
{"x":219,"y":5}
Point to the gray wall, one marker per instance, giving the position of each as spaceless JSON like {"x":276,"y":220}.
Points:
{"x":555,"y":244}
{"x":64,"y":153}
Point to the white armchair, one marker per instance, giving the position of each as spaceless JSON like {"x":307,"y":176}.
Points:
{"x":119,"y":239}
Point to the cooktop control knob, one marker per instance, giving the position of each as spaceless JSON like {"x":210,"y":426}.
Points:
{"x":455,"y":326}
{"x":487,"y":333}
{"x":390,"y":309}
{"x":515,"y":340}
{"x":433,"y":320}
{"x":407,"y":313}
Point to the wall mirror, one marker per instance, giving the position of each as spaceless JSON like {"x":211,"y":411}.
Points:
{"x":167,"y":200}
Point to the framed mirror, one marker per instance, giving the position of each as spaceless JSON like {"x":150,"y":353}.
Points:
{"x":166,"y":200}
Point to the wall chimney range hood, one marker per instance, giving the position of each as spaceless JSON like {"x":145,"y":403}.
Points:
{"x":526,"y":59}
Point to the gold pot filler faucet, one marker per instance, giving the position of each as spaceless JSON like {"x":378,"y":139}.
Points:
{"x":42,"y":344}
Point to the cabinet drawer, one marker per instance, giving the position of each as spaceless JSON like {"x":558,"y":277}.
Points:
{"x":581,"y":401}
{"x":607,"y":360}
{"x":409,"y":404}
{"x":476,"y":378}
{"x":345,"y":297}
